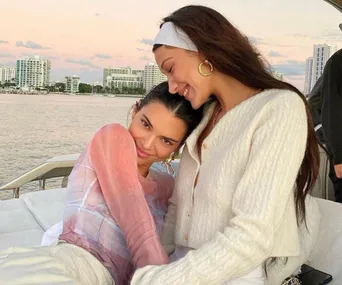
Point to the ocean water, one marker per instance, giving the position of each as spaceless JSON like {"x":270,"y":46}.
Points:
{"x":34,"y":128}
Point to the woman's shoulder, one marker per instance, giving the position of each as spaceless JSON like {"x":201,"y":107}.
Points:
{"x":114,"y":130}
{"x":113,"y":127}
{"x":273,"y":103}
{"x":281,"y":97}
{"x":281,"y":107}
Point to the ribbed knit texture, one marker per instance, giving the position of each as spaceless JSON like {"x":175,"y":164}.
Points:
{"x":242,"y":210}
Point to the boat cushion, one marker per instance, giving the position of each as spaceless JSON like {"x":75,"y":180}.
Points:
{"x":327,"y":254}
{"x":46,"y":206}
{"x":17,"y":225}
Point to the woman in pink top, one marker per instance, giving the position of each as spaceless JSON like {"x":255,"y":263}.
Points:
{"x":115,"y":201}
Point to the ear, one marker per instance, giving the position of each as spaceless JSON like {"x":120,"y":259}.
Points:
{"x":135,"y":108}
{"x":201,"y":56}
{"x":134,"y":112}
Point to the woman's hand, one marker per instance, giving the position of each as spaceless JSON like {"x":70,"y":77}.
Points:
{"x":338,"y":170}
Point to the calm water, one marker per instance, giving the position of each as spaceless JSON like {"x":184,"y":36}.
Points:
{"x":35,"y":128}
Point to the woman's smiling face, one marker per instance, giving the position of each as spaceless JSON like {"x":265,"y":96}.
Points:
{"x":157,"y":133}
{"x":181,"y":68}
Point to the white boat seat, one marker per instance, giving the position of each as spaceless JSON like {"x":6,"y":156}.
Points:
{"x":18,"y":227}
{"x":327,"y":255}
{"x":46,"y":206}
{"x":23,"y":222}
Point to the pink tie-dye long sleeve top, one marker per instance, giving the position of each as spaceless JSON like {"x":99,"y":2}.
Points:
{"x":112,"y":211}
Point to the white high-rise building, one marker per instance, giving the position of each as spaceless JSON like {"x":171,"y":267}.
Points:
{"x":72,"y":84}
{"x":152,"y":76}
{"x":308,"y":75}
{"x":321,"y":54}
{"x":123,"y":77}
{"x":33,"y":72}
{"x":7,"y":75}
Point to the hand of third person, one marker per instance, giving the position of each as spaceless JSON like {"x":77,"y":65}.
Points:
{"x":338,"y":170}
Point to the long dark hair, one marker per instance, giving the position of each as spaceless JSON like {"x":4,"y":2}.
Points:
{"x":231,"y":53}
{"x":177,"y":105}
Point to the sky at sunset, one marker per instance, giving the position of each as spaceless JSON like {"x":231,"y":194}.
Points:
{"x":82,"y":37}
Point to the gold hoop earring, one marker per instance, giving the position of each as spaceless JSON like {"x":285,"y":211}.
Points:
{"x":200,"y":70}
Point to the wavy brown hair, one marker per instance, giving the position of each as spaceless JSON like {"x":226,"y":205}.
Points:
{"x":231,"y":53}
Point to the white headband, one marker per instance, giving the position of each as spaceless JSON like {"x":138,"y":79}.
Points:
{"x":173,"y":36}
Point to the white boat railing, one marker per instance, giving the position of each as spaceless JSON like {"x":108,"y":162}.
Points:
{"x":59,"y":166}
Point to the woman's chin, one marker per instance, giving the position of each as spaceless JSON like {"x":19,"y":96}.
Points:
{"x":146,"y":161}
{"x":195,"y":101}
{"x":195,"y":104}
{"x":141,"y":161}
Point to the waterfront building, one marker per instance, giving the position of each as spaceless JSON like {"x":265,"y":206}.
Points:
{"x":72,"y":84}
{"x":33,"y":72}
{"x":120,"y":77}
{"x":152,"y":76}
{"x":7,"y":75}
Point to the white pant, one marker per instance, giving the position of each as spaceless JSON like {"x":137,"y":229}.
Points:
{"x":255,"y":277}
{"x":52,"y":234}
{"x":60,"y":264}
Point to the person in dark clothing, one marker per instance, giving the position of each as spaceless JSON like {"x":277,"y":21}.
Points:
{"x":315,"y":102}
{"x":325,"y":102}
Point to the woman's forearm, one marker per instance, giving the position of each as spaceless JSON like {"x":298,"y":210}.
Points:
{"x":112,"y":154}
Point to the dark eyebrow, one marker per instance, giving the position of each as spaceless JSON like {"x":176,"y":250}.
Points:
{"x":148,"y":121}
{"x":161,"y":66}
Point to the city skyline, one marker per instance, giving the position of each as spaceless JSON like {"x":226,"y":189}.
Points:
{"x":33,"y":73}
{"x":315,"y":65}
{"x":85,"y":37}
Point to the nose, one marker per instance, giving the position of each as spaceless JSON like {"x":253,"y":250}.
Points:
{"x":148,"y":142}
{"x":173,"y":86}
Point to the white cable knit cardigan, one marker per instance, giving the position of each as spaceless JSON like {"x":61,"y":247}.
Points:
{"x":242,"y":210}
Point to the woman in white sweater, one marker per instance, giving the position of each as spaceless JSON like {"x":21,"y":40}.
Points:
{"x":241,"y":206}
